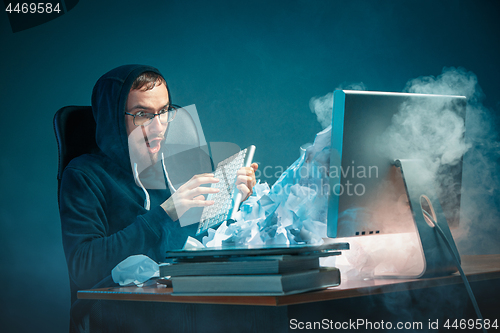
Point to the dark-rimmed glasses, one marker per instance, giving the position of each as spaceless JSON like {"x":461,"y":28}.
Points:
{"x":166,"y":115}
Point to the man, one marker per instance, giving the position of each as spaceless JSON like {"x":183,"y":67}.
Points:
{"x":105,"y":216}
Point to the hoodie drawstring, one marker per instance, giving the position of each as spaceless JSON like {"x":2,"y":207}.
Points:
{"x":172,"y":188}
{"x":147,"y":201}
{"x":136,"y":176}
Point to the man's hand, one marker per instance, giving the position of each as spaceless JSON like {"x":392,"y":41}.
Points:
{"x":190,"y":195}
{"x":245,"y":180}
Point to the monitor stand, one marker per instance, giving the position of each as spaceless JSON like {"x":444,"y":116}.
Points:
{"x":422,"y":196}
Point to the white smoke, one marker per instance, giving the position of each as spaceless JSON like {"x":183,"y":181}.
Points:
{"x":452,"y":81}
{"x":478,"y":229}
{"x":430,"y":130}
{"x":322,"y":105}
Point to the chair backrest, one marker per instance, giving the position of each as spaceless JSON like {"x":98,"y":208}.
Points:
{"x":74,"y":127}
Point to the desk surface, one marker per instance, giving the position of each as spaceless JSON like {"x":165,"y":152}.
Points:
{"x":477,"y":268}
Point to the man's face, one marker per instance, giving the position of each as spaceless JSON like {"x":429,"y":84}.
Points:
{"x":145,"y":141}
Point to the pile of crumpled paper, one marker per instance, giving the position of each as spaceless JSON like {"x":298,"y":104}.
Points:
{"x":292,"y":211}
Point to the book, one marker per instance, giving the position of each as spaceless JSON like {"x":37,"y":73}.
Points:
{"x":262,"y":285}
{"x":211,"y":253}
{"x":242,"y":266}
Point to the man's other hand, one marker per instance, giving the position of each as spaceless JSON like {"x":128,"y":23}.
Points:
{"x":190,"y":195}
{"x":245,"y":180}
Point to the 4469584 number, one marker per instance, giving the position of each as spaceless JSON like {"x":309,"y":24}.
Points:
{"x":471,"y":324}
{"x":32,"y":7}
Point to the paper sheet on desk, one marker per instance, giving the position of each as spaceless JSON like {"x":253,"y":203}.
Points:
{"x":136,"y":270}
{"x":292,"y":211}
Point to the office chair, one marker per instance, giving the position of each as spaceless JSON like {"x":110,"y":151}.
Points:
{"x":74,"y":127}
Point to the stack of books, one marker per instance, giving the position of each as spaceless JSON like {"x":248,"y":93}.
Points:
{"x":250,"y":272}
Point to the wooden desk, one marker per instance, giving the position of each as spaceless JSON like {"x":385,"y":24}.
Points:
{"x":275,"y":312}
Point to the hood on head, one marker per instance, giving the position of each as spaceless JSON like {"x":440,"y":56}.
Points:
{"x":109,"y":98}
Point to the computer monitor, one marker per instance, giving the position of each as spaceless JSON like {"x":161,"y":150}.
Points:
{"x":377,"y":190}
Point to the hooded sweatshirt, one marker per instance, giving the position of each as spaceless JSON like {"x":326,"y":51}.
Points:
{"x":103,"y":215}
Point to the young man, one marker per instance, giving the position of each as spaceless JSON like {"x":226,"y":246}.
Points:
{"x":105,"y":215}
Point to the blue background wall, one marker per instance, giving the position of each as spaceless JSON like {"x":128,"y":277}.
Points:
{"x":251,"y":68}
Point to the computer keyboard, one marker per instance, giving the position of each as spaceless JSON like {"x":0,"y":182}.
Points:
{"x":228,"y":199}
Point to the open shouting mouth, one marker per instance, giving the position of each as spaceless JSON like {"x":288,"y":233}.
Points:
{"x":154,"y":144}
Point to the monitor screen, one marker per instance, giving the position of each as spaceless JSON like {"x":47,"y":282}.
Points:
{"x":370,"y":130}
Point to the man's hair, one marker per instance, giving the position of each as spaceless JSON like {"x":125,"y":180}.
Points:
{"x":147,"y":81}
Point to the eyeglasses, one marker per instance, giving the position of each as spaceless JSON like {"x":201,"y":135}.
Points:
{"x":165,"y":115}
